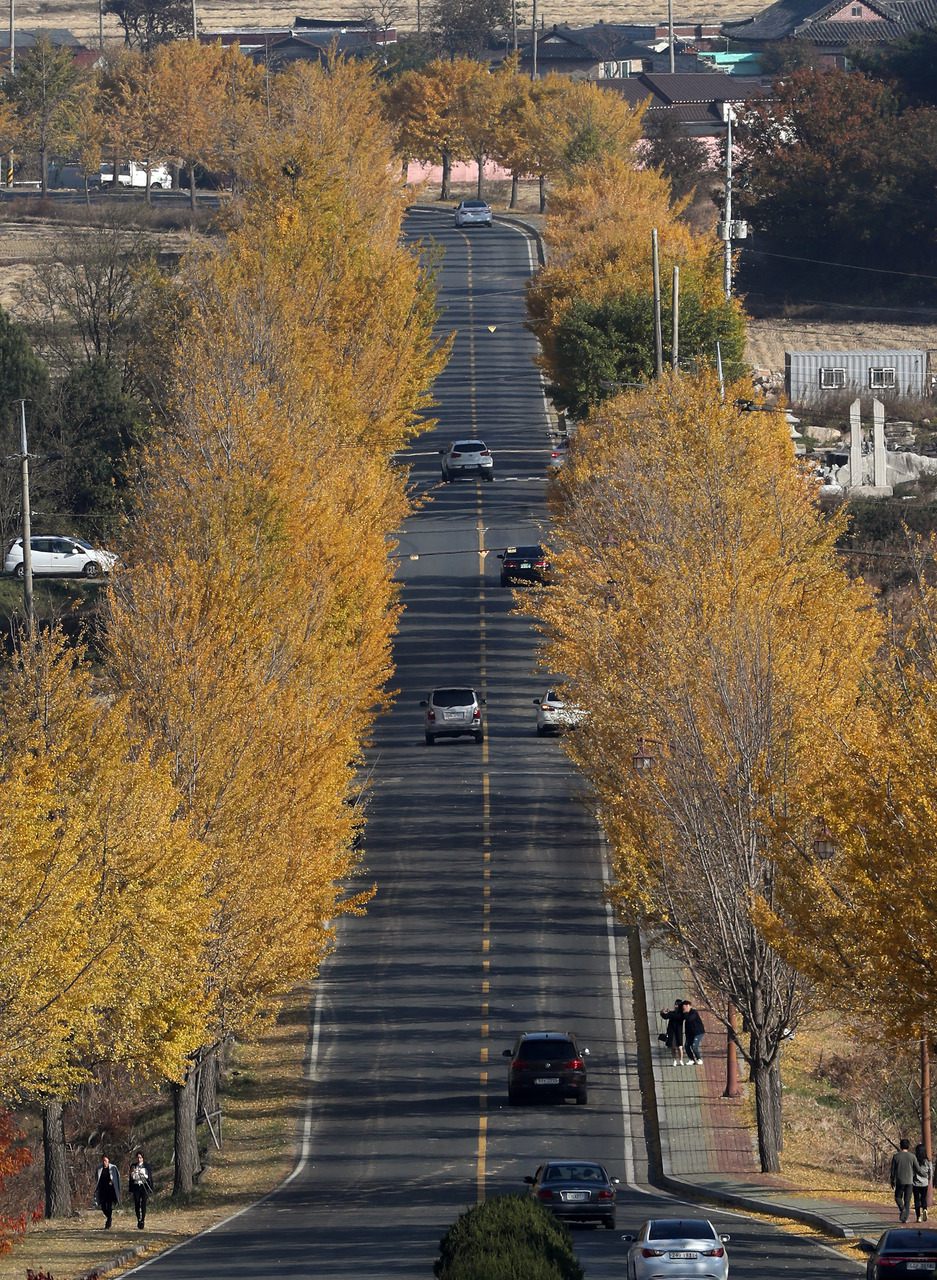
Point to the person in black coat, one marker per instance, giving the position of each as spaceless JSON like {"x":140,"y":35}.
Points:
{"x":693,"y":1032}
{"x":141,"y":1186}
{"x":674,"y":1037}
{"x":107,"y":1190}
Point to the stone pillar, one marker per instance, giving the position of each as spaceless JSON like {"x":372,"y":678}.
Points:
{"x":879,"y":473}
{"x":855,"y":445}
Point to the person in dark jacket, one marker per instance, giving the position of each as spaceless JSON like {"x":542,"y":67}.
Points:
{"x":693,"y":1032}
{"x":141,"y":1186}
{"x":674,"y":1037}
{"x":902,"y":1173}
{"x":107,"y":1190}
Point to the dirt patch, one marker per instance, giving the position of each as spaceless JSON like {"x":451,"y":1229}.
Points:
{"x":769,"y":339}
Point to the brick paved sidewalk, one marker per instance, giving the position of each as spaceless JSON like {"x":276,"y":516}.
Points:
{"x":707,"y":1143}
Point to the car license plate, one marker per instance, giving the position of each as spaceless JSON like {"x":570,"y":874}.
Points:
{"x":525,"y":564}
{"x":452,"y":715}
{"x":577,"y":1195}
{"x":547,"y":1080}
{"x":919,"y":1266}
{"x":684,"y":1255}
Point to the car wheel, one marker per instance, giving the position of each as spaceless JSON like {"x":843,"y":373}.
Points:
{"x":489,"y":476}
{"x":541,"y":730}
{"x":20,"y":571}
{"x":430,"y":740}
{"x":609,"y":1224}
{"x":515,"y":1097}
{"x":91,"y":570}
{"x":479,"y":737}
{"x":582,"y":1097}
{"x":505,"y":582}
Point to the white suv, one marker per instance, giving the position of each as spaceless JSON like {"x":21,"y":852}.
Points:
{"x":66,"y":557}
{"x":465,"y":457}
{"x":451,"y":712}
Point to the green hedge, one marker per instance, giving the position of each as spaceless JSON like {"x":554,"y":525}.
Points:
{"x":507,"y":1238}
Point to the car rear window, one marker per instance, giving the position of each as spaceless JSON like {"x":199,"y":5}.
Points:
{"x":474,"y":204}
{"x":545,"y":1050}
{"x":575,"y":1173}
{"x":680,"y":1229}
{"x":452,"y":697}
{"x":910,"y":1241}
{"x":469,"y":446}
{"x":524,"y":553}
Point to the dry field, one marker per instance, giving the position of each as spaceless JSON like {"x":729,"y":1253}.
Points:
{"x":769,"y":339}
{"x":82,"y":17}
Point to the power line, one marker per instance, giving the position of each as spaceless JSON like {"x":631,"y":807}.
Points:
{"x":845,"y":266}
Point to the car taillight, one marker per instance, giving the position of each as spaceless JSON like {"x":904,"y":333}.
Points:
{"x":486,"y":453}
{"x":540,"y":564}
{"x":431,"y":715}
{"x":455,"y":454}
{"x":606,"y":1195}
{"x":476,"y":714}
{"x":652,"y":1253}
{"x":544,"y":1194}
{"x":713,"y":1253}
{"x":555,"y":453}
{"x":517,"y":1065}
{"x":574,"y":1064}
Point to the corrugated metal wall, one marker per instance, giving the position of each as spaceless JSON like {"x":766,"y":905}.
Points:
{"x":803,"y":381}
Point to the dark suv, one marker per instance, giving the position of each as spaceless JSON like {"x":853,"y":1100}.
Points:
{"x":547,"y":1064}
{"x":524,"y":564}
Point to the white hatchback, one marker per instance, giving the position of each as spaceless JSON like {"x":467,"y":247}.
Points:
{"x":554,"y":715}
{"x":473,"y":213}
{"x":465,"y":458}
{"x":60,"y":557}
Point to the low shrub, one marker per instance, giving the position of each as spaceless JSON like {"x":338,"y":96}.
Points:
{"x":507,"y":1238}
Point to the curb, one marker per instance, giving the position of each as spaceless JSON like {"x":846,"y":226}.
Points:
{"x":109,"y":1264}
{"x":659,"y":1171}
{"x":535,"y":234}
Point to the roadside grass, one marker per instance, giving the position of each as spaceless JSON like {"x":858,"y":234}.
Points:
{"x":263,"y":1101}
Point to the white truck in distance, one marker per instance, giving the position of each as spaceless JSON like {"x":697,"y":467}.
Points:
{"x":131,"y":174}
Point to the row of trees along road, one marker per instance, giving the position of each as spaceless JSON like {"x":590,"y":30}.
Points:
{"x":458,"y":110}
{"x":176,"y":827}
{"x":189,"y":103}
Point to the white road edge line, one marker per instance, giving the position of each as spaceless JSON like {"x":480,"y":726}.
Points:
{"x":311,"y":1065}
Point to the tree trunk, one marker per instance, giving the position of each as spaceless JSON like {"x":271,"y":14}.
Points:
{"x":543,"y":193}
{"x":57,"y":1189}
{"x":187,"y":1165}
{"x":480,"y":161}
{"x":208,"y":1082}
{"x":768,"y":1115}
{"x":513,"y":204}
{"x":191,"y":184}
{"x":445,"y":190}
{"x":147,"y":195}
{"x":43,"y":171}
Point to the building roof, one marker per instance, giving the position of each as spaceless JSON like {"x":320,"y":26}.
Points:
{"x":603,"y":41}
{"x":702,"y":86}
{"x":58,"y":36}
{"x":818,"y":23}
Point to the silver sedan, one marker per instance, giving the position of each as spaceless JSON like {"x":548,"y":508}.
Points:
{"x":677,"y":1249}
{"x":473,"y":213}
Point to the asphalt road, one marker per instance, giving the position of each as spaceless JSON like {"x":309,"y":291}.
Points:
{"x":488,"y":917}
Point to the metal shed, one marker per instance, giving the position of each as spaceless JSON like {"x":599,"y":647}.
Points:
{"x":814,"y":375}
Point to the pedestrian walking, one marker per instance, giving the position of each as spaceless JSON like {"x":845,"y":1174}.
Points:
{"x":921,"y":1185}
{"x":673,"y":1038}
{"x":141,"y":1187}
{"x":107,"y":1190}
{"x":903,"y":1168}
{"x":693,"y":1032}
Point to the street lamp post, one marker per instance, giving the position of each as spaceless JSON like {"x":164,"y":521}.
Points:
{"x":26,"y":529}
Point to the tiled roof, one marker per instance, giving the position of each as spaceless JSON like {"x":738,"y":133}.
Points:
{"x":808,"y":20}
{"x":702,"y":86}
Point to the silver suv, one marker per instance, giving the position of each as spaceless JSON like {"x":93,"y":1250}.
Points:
{"x":451,"y":712}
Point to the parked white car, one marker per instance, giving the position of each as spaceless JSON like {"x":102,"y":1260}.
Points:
{"x":467,"y":457}
{"x":132,"y":174}
{"x":554,"y":715}
{"x":60,"y":557}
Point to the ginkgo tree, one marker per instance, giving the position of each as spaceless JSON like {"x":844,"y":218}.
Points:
{"x":702,"y":618}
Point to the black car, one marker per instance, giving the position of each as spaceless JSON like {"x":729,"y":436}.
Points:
{"x":904,"y":1251}
{"x":524,"y":564}
{"x":547,"y":1064}
{"x":576,"y":1190}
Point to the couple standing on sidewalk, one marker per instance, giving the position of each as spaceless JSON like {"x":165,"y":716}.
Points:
{"x":685,"y":1031}
{"x":911,"y":1176}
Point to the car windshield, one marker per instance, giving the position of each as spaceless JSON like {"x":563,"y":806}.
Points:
{"x":575,"y":1173}
{"x":453,"y":698}
{"x":469,"y":446}
{"x":909,"y":1242}
{"x":551,"y":696}
{"x":81,"y":543}
{"x":680,"y":1229}
{"x":524,"y":553}
{"x":546,"y":1050}
{"x":474,"y":204}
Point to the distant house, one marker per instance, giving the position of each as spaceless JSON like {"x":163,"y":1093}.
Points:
{"x":699,"y":100}
{"x":815,"y":375}
{"x":59,"y":36}
{"x":832,"y":28}
{"x":306,"y":40}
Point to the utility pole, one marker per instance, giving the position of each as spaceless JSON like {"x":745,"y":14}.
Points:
{"x":675,"y":321}
{"x":658,"y":333}
{"x":9,"y":172}
{"x":101,"y":25}
{"x":194,"y":20}
{"x":514,"y":23}
{"x":727,"y":211}
{"x":26,"y":530}
{"x":926,"y":1131}
{"x":670,"y":34}
{"x":533,"y":29}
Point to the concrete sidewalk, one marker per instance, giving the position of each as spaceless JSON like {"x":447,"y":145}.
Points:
{"x":707,"y":1149}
